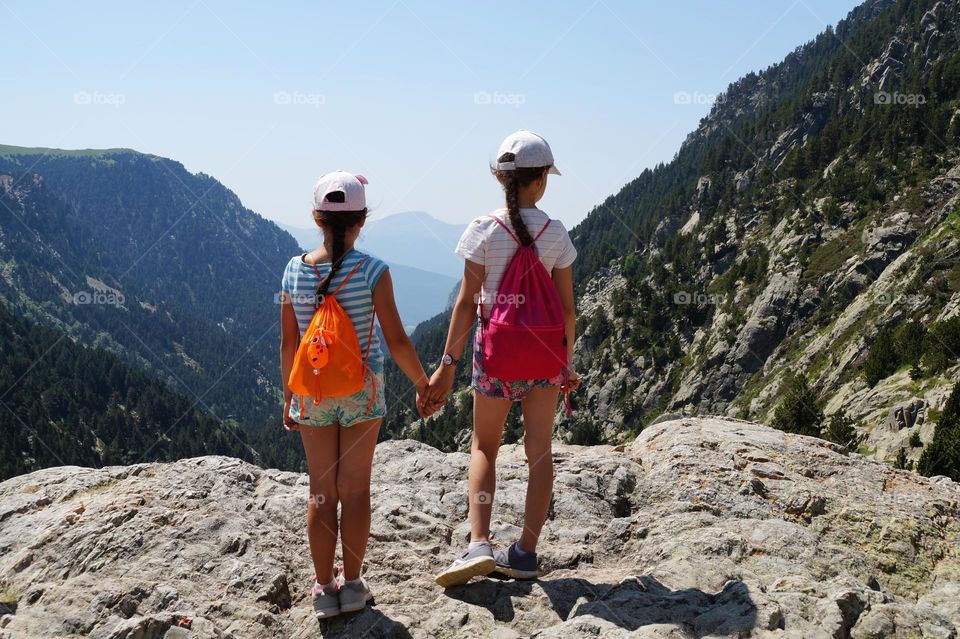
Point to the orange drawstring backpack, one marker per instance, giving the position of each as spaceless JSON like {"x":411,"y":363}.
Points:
{"x":328,"y":361}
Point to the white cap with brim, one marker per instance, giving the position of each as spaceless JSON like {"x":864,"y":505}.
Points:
{"x":529,"y":151}
{"x":352,"y":187}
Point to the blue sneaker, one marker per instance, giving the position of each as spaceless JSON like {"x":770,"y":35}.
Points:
{"x":512,"y":563}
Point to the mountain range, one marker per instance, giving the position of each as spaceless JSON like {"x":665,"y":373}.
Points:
{"x":132,"y":254}
{"x":796,"y":264}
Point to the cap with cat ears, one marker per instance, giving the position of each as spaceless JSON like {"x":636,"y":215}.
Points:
{"x":352,"y":187}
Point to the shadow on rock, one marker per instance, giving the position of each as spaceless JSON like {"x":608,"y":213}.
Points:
{"x":369,"y":623}
{"x":630,"y":604}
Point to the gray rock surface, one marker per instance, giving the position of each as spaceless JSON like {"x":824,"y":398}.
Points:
{"x":700,"y":527}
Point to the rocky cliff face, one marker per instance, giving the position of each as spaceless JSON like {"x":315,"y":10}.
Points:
{"x":700,"y":527}
{"x":797,"y":258}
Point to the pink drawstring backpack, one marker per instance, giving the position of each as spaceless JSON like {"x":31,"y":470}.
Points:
{"x":524,"y":336}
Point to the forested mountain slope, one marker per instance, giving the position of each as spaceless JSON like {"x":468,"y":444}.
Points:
{"x":167,"y":269}
{"x":65,"y":403}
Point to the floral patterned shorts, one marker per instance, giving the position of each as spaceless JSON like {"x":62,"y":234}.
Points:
{"x":499,"y":389}
{"x":347,"y":410}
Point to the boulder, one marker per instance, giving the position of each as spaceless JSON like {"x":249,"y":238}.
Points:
{"x":700,"y":527}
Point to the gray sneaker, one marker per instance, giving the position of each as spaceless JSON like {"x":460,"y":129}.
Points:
{"x":326,"y":603}
{"x":354,"y":596}
{"x":472,"y":563}
{"x":512,"y":564}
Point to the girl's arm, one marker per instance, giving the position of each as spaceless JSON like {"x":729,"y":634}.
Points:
{"x":401,"y":348}
{"x":563,"y":280}
{"x":461,"y":321}
{"x":289,"y":341}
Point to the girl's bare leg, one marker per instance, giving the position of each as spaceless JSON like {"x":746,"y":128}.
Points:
{"x":489,"y":415}
{"x":539,"y":408}
{"x":357,"y":444}
{"x":321,"y":445}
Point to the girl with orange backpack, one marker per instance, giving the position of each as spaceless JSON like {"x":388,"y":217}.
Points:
{"x":518,"y":279}
{"x":332,"y":369}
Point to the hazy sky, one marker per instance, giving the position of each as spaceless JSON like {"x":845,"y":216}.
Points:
{"x":415,"y":95}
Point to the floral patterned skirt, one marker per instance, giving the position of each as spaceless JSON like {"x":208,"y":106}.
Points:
{"x":499,"y":389}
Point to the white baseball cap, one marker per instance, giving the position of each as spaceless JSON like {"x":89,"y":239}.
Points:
{"x":354,"y":195}
{"x":529,"y":151}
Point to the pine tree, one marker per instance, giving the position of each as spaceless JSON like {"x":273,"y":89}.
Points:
{"x":942,"y":455}
{"x":840,"y":430}
{"x":799,"y":412}
{"x":882,"y":360}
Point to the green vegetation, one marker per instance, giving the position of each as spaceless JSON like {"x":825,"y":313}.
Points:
{"x":915,"y":441}
{"x":799,"y":411}
{"x":585,"y":431}
{"x":901,"y":462}
{"x":840,"y":430}
{"x":197,"y":280}
{"x":6,"y":149}
{"x":69,"y":404}
{"x":942,"y":455}
{"x":925,"y":351}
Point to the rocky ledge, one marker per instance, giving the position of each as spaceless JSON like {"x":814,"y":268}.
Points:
{"x":701,"y":527}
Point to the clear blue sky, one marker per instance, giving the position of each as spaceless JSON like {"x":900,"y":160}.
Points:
{"x":416,"y":95}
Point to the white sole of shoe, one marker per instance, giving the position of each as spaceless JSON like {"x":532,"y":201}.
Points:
{"x":357,"y":606}
{"x":477,"y":567}
{"x":517,"y":574}
{"x":326,"y":614}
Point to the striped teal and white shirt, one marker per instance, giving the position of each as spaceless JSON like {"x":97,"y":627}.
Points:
{"x":300,"y":282}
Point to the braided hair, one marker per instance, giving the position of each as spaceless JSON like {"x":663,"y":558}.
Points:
{"x":512,"y":180}
{"x":336,"y":223}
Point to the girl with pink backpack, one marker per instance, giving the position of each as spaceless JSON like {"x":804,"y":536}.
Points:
{"x":518,"y":279}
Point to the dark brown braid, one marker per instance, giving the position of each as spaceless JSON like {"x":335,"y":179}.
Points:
{"x":512,"y":181}
{"x":337,"y":223}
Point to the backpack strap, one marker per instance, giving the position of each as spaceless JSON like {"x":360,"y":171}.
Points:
{"x":349,"y":275}
{"x":366,"y":365}
{"x":542,"y":230}
{"x":346,"y":279}
{"x":506,"y":228}
{"x":514,"y":236}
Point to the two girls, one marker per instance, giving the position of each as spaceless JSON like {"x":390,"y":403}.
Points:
{"x":339,"y":433}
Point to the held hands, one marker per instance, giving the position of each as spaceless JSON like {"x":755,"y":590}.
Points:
{"x":432,"y":395}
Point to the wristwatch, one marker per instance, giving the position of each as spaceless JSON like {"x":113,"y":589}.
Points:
{"x":448,"y":360}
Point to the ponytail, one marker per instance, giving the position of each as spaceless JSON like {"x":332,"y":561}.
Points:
{"x":336,"y":223}
{"x":512,"y":180}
